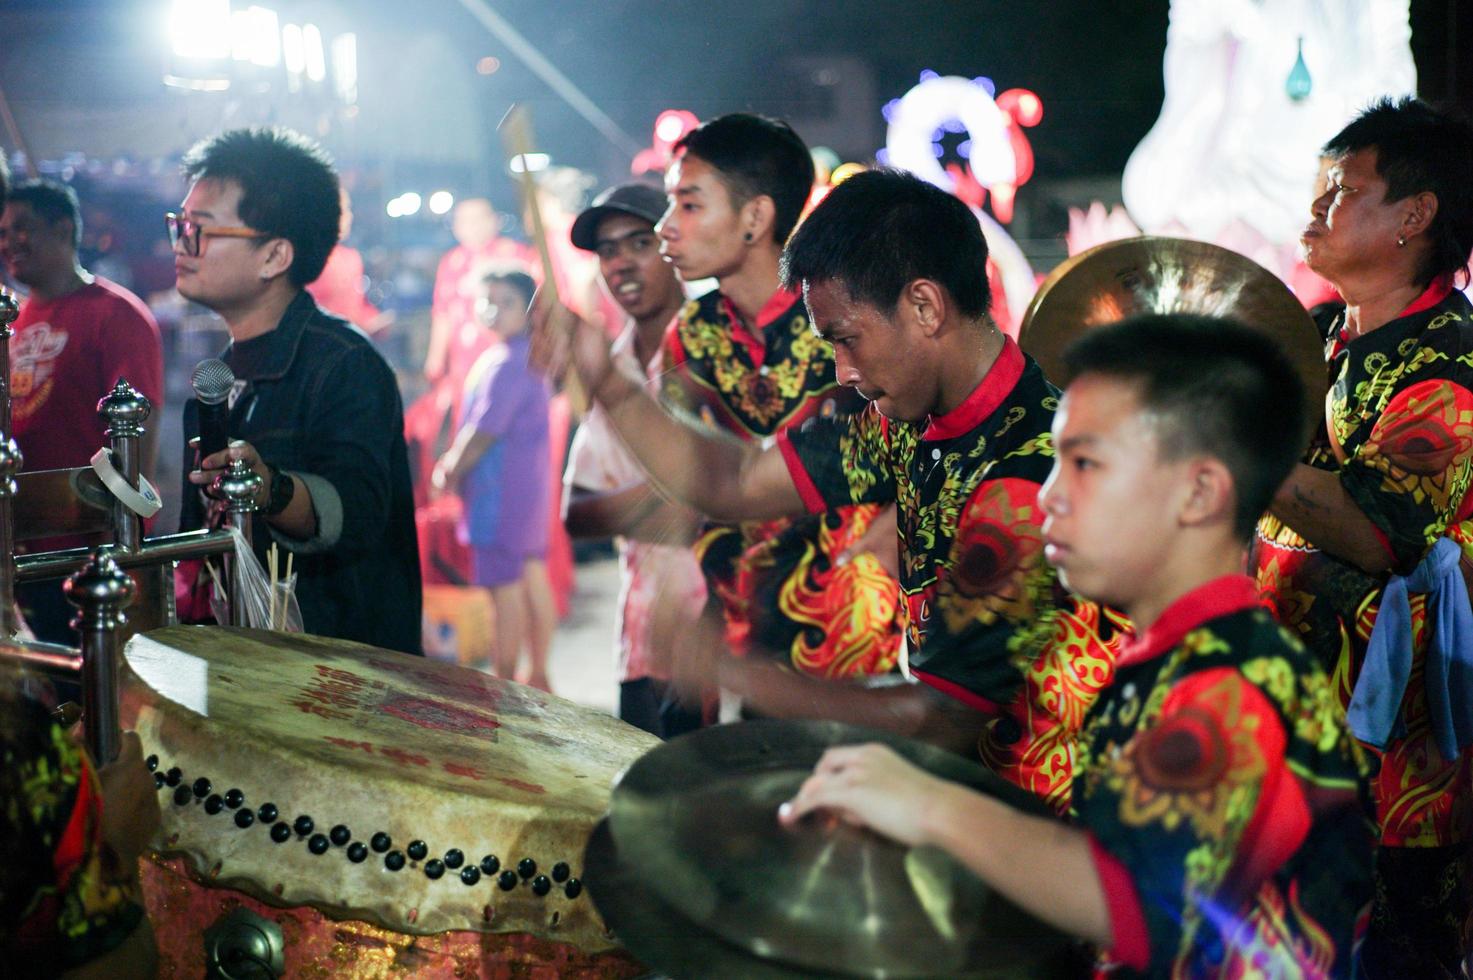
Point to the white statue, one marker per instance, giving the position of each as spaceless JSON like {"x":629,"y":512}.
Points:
{"x":1253,"y":90}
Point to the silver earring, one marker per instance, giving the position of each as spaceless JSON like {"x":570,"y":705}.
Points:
{"x":1401,"y":241}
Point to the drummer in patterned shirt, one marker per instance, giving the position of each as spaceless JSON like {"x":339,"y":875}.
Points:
{"x":1360,"y":551}
{"x":742,"y":360}
{"x":957,"y":435}
{"x":1221,"y":825}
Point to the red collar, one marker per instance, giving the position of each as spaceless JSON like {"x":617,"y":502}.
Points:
{"x":1440,"y":289}
{"x":984,"y":399}
{"x":777,"y":304}
{"x":1221,"y":596}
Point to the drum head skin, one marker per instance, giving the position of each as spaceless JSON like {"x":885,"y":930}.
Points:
{"x":408,"y":793}
{"x":693,"y":827}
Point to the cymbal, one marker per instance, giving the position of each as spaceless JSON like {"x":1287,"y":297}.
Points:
{"x":696,"y":817}
{"x":1151,"y":274}
{"x":666,"y":940}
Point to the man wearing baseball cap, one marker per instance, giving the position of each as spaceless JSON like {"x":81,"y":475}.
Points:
{"x":606,"y":491}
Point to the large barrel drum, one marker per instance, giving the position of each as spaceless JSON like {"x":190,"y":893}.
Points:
{"x":382,"y":813}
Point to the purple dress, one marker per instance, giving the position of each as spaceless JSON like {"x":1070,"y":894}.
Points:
{"x":507,"y":495}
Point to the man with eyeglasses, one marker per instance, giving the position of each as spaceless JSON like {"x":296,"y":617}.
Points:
{"x":316,"y":412}
{"x":77,"y":334}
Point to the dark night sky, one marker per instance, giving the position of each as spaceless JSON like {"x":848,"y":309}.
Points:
{"x":1096,"y":65}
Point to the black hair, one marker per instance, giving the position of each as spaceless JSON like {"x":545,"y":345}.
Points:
{"x":881,"y":230}
{"x":288,"y":189}
{"x":1216,"y":388}
{"x":515,"y":278}
{"x":756,"y":155}
{"x":52,"y":202}
{"x":1421,"y":148}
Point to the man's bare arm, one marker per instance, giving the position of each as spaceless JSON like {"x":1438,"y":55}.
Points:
{"x":1042,"y":864}
{"x":435,"y":357}
{"x":912,"y":710}
{"x":1314,"y":503}
{"x":637,"y":512}
{"x":466,"y":450}
{"x":710,"y":472}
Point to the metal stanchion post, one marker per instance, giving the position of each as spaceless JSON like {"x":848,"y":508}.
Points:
{"x":10,"y":464}
{"x":240,"y":485}
{"x":101,"y":591}
{"x":123,"y":413}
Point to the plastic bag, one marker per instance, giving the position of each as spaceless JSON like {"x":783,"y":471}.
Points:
{"x":270,"y":599}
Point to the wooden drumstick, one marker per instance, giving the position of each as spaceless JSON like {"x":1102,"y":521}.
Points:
{"x":271,"y":589}
{"x":516,"y":141}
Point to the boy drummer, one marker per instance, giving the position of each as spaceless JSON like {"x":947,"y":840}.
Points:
{"x":1219,"y":828}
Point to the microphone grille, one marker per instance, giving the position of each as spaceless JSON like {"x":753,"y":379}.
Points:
{"x":212,"y":380}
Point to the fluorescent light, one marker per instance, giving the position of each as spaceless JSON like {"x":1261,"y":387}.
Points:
{"x":441,"y":202}
{"x":267,"y":48}
{"x":345,"y":67}
{"x":316,"y":61}
{"x":200,"y":29}
{"x":293,"y":49}
{"x":256,"y":37}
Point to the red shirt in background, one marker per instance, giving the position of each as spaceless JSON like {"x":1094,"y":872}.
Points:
{"x":66,"y":355}
{"x":339,"y":290}
{"x":457,"y":284}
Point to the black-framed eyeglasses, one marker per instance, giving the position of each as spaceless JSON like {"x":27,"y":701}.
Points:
{"x":190,"y":234}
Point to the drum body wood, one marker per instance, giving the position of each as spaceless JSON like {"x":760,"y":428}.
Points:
{"x":319,"y":947}
{"x":382,"y":809}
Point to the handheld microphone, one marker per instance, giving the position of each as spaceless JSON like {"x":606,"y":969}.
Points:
{"x":212,"y":382}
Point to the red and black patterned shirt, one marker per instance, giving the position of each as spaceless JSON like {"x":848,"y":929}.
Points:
{"x":64,"y":897}
{"x":1400,"y":436}
{"x":777,"y":581}
{"x":1223,"y":798}
{"x":987,"y":620}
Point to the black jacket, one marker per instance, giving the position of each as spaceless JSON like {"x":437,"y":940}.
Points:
{"x":321,"y":403}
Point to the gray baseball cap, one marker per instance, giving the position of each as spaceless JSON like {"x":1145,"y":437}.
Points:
{"x":640,"y":200}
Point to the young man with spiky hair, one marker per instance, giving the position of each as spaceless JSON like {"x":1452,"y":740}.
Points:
{"x":1222,"y":829}
{"x":956,"y":435}
{"x":743,"y":360}
{"x":317,"y":414}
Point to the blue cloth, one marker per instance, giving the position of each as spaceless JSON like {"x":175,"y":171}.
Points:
{"x":1375,"y":707}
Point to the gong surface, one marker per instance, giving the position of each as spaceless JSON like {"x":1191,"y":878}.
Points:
{"x":695,"y":820}
{"x":1149,"y":274}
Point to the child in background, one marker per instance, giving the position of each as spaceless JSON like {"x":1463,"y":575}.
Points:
{"x":499,"y":464}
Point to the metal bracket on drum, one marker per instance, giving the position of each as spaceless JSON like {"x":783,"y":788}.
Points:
{"x":97,"y":578}
{"x":244,"y":946}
